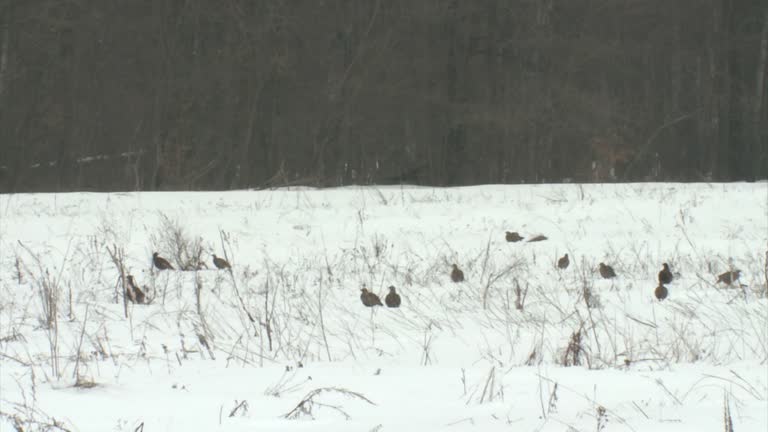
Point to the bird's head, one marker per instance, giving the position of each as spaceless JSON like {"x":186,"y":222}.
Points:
{"x":666,"y":266}
{"x":154,"y":254}
{"x":391,"y":288}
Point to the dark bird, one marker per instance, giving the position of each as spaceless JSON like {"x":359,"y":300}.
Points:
{"x":161,"y":263}
{"x":393,"y":298}
{"x":369,"y":299}
{"x":661,"y":292}
{"x":220,"y":263}
{"x":563,"y":262}
{"x":729,"y":277}
{"x":513,"y":237}
{"x":665,"y":276}
{"x":538,"y":238}
{"x":134,"y":293}
{"x":606,"y":271}
{"x":456,"y":274}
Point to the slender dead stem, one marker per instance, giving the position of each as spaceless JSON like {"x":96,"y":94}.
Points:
{"x":118,"y":258}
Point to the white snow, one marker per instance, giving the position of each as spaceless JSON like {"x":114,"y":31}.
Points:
{"x":454,"y":357}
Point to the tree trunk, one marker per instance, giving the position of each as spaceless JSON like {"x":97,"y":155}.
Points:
{"x":719,"y":153}
{"x":4,"y":52}
{"x":760,"y":150}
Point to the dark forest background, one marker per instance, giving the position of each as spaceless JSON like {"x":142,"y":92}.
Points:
{"x":219,"y":94}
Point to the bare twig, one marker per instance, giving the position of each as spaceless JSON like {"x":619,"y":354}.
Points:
{"x":224,"y":243}
{"x":320,"y":313}
{"x":207,"y":339}
{"x":76,"y":372}
{"x":727,"y":419}
{"x":118,"y":258}
{"x":243,"y":405}
{"x":304,"y":407}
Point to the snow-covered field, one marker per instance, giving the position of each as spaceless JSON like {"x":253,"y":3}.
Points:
{"x":495,"y":352}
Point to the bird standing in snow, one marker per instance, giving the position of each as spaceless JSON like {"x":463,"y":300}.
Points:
{"x":456,"y":274}
{"x":393,"y":298}
{"x":661,"y":292}
{"x":563,"y":262}
{"x":606,"y":271}
{"x":160,"y":262}
{"x":513,"y":237}
{"x":665,"y":275}
{"x":729,"y":277}
{"x":369,"y":299}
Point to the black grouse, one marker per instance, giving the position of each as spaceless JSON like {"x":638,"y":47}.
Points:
{"x":665,"y":275}
{"x":220,"y":263}
{"x":513,"y":237}
{"x":606,"y":271}
{"x":729,"y":277}
{"x":563,"y":262}
{"x":369,"y":299}
{"x":456,"y":274}
{"x":393,"y":298}
{"x":161,"y":263}
{"x":661,"y":292}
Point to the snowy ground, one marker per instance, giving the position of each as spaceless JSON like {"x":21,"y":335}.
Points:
{"x":454,"y":357}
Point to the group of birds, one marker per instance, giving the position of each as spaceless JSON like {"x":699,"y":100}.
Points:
{"x":370,"y":299}
{"x":606,"y":271}
{"x":393,"y":299}
{"x":135,"y":294}
{"x":665,"y":277}
{"x":163,"y":264}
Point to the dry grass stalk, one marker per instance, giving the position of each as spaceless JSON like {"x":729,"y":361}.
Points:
{"x":306,"y":406}
{"x":572,"y":356}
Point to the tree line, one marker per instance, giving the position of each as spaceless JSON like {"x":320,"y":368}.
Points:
{"x":222,"y":94}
